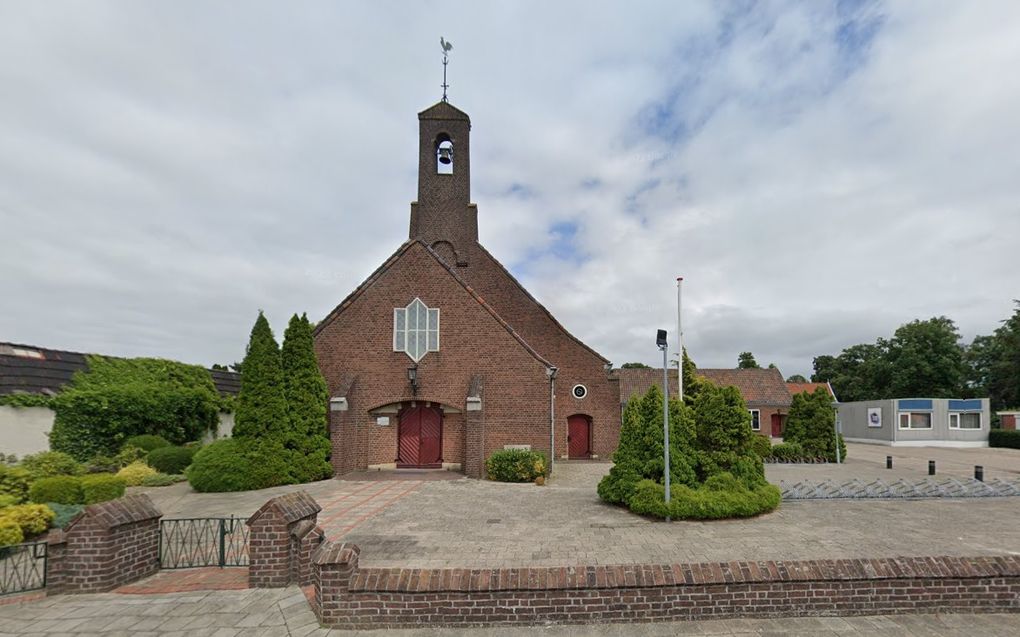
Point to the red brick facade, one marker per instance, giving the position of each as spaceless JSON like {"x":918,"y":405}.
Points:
{"x":504,"y":370}
{"x":346,"y":596}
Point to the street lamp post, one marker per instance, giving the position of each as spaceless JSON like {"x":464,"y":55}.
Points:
{"x":660,"y":340}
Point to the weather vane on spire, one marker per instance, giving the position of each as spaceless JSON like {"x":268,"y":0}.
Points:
{"x":447,"y":47}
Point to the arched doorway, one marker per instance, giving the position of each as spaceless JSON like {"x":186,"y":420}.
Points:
{"x":579,"y":436}
{"x":420,"y":437}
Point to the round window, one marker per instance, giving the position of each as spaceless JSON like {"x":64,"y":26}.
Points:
{"x":579,"y":391}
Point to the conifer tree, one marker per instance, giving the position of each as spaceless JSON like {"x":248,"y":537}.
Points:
{"x":261,"y":412}
{"x":307,"y":401}
{"x":724,"y":435}
{"x":639,"y":455}
{"x":812,"y":424}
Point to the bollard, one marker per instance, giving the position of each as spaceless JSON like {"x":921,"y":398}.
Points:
{"x":888,"y":462}
{"x":979,"y":473}
{"x":931,"y":467}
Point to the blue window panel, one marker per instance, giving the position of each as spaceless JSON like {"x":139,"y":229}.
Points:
{"x":911,"y":404}
{"x":965,"y":405}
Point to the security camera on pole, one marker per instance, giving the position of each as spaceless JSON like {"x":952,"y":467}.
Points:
{"x":660,"y":340}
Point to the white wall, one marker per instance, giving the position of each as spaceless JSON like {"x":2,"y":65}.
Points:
{"x":23,"y":429}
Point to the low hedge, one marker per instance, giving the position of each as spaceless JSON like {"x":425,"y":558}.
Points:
{"x":721,"y":496}
{"x":14,"y":482}
{"x":135,"y":473}
{"x":516,"y":465}
{"x":238,"y":464}
{"x":1004,"y":438}
{"x":32,"y":519}
{"x":10,"y":533}
{"x":148,"y":442}
{"x":172,"y":460}
{"x":787,"y":451}
{"x":162,"y":480}
{"x":100,"y":487}
{"x":60,"y":489}
{"x":46,"y":464}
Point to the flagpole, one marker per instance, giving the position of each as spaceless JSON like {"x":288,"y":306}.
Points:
{"x":680,"y":341}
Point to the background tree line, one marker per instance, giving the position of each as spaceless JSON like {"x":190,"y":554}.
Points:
{"x":927,"y":359}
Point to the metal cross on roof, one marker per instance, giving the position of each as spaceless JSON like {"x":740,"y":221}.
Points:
{"x":447,"y":47}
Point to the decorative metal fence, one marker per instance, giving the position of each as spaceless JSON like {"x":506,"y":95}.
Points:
{"x":195,"y":542}
{"x":922,"y":488}
{"x":23,"y":567}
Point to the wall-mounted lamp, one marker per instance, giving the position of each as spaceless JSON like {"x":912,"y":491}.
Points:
{"x":412,"y":376}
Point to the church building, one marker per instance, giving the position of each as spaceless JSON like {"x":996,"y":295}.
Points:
{"x":441,"y":357}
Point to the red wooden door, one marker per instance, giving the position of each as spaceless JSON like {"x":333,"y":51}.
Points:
{"x":579,"y":437}
{"x":777,"y":425}
{"x":420,"y":437}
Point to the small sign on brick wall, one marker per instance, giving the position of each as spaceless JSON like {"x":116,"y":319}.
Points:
{"x":382,"y":421}
{"x":517,"y":447}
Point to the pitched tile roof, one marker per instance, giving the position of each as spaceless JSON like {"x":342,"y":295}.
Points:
{"x":764,"y":387}
{"x":797,"y":388}
{"x":758,"y":386}
{"x":38,"y":370}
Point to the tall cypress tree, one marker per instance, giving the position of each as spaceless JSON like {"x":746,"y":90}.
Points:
{"x":307,"y":400}
{"x":261,"y":412}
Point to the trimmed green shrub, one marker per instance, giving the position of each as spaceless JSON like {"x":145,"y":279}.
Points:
{"x":162,"y":480}
{"x":1004,"y":438}
{"x":762,"y":446}
{"x":147,"y":442}
{"x":10,"y":533}
{"x":22,"y":400}
{"x":60,"y":489}
{"x":261,"y":405}
{"x":812,"y":425}
{"x":724,"y":434}
{"x":788,"y":451}
{"x":116,"y":399}
{"x":33,"y":519}
{"x":135,"y":473}
{"x":516,"y":465}
{"x":7,"y":501}
{"x":14,"y":482}
{"x":46,"y":464}
{"x":170,"y":459}
{"x":722,"y":496}
{"x":307,"y":397}
{"x":64,"y":513}
{"x":239,"y":464}
{"x":100,"y":487}
{"x":639,"y":455}
{"x":102,"y":464}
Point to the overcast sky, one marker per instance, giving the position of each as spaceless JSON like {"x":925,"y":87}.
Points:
{"x":819,"y":173}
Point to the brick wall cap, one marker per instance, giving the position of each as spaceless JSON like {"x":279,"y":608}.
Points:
{"x":336,"y":553}
{"x":302,"y":528}
{"x":113,"y":513}
{"x":701,"y":574}
{"x":56,"y":536}
{"x":290,"y":506}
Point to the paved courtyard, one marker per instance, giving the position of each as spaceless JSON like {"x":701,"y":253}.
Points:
{"x":272,"y":612}
{"x":422,"y":522}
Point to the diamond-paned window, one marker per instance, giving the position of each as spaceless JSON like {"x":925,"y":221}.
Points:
{"x":416,"y":330}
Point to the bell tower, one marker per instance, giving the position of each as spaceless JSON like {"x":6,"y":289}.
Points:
{"x":443,"y":216}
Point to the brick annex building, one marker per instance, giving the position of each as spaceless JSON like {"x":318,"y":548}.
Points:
{"x":441,"y":357}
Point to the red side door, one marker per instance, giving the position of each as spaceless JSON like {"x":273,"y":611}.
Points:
{"x":777,"y":426}
{"x":579,"y":437}
{"x":420,"y":437}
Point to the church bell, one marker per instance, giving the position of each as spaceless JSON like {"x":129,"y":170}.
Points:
{"x":445,"y":155}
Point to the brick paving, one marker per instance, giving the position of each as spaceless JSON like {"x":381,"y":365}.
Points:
{"x":211,"y":578}
{"x":285,"y":612}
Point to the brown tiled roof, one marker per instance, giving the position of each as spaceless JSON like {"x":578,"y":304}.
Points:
{"x":757,"y":386}
{"x":797,"y":388}
{"x":763,"y":387}
{"x":37,"y":370}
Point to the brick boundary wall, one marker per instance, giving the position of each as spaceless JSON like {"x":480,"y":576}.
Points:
{"x":106,"y":545}
{"x":346,"y":596}
{"x":281,"y":537}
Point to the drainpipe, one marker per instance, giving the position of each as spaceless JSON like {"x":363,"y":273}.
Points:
{"x":552,"y":417}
